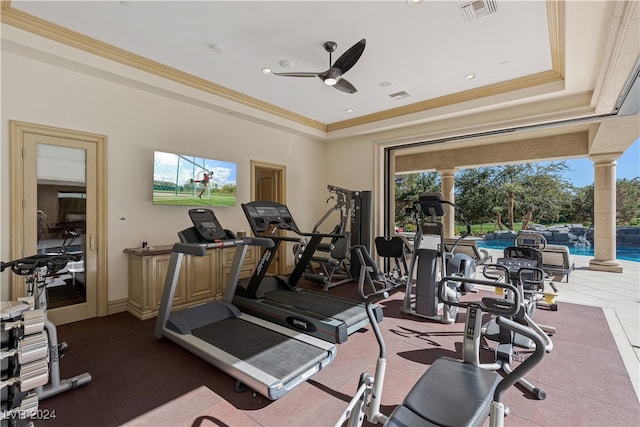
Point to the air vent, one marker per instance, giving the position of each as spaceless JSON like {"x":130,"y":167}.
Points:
{"x":477,"y":9}
{"x":399,"y":95}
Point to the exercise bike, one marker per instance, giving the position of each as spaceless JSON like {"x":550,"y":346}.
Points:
{"x":525,"y":277}
{"x":431,"y":260}
{"x":537,"y":242}
{"x":451,"y":392}
{"x":37,"y":269}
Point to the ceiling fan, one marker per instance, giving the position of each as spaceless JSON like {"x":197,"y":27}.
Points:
{"x":333,"y":76}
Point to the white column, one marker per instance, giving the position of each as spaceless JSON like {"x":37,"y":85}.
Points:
{"x":448,"y":193}
{"x":604,"y":214}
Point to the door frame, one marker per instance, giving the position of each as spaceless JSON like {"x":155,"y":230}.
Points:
{"x":17,"y":131}
{"x":281,"y":187}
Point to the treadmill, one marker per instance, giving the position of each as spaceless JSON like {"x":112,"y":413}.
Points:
{"x":278,"y":300}
{"x":261,"y":355}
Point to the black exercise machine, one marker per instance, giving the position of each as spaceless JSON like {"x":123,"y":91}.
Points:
{"x":329,"y":266}
{"x":335,"y":262}
{"x":278,"y":299}
{"x":371,"y":276}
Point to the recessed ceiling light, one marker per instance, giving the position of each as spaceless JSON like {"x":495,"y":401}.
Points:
{"x":125,"y":4}
{"x":470,"y":76}
{"x":349,"y":110}
{"x":385,"y":84}
{"x":414,"y":1}
{"x":266,"y":71}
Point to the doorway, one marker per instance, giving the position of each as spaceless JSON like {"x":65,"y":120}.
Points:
{"x":58,"y":205}
{"x":268,"y":183}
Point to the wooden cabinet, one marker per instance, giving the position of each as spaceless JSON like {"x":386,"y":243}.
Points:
{"x":201,"y":279}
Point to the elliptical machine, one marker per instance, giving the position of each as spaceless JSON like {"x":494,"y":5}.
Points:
{"x":431,"y":260}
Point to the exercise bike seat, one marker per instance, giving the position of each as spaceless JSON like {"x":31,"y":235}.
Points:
{"x":450,"y":393}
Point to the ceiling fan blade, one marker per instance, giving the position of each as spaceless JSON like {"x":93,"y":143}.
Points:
{"x":350,"y":57}
{"x":344,"y":86}
{"x":298,"y":74}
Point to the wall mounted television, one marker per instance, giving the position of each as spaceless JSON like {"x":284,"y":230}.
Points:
{"x":185,"y":180}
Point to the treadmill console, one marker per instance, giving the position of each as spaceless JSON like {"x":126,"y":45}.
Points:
{"x":261,"y":214}
{"x":206,"y":224}
{"x":531,"y":240}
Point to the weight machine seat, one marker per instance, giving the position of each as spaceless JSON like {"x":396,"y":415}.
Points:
{"x":451,"y":393}
{"x":393,"y":248}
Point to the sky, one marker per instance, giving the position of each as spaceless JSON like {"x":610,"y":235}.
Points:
{"x":628,"y":166}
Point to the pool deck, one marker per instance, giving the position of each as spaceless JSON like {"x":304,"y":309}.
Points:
{"x":618,"y":294}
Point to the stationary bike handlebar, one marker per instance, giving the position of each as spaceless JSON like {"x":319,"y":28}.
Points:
{"x":537,"y":275}
{"x":495,"y":305}
{"x":371,"y":299}
{"x":28,"y":265}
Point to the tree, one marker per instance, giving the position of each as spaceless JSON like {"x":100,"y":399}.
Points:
{"x":627,"y":200}
{"x":509,"y":179}
{"x":408,"y":188}
{"x":534,"y":192}
{"x":547,"y":194}
{"x":475,"y":194}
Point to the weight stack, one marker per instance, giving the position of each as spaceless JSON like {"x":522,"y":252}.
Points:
{"x":25,"y":365}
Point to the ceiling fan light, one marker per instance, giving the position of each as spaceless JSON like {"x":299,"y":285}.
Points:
{"x":330,"y":81}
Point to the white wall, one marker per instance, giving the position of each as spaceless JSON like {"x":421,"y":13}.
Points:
{"x":137,"y":123}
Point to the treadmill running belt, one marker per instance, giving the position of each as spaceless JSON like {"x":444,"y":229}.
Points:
{"x":349,"y":313}
{"x":278,"y":355}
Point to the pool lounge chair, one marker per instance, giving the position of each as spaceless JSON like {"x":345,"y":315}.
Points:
{"x":469,"y":247}
{"x":557,"y":261}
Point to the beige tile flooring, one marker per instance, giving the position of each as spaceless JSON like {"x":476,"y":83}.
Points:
{"x":619,"y":296}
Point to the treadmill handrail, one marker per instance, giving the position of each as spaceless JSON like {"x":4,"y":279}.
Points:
{"x":200,"y":249}
{"x":283,"y":226}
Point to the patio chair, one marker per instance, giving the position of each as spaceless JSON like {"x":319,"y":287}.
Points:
{"x":468,"y":247}
{"x":557,"y":261}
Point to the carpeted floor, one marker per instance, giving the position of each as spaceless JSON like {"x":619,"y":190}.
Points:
{"x":141,"y":381}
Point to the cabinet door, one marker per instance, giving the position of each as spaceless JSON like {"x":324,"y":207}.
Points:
{"x":204,"y":277}
{"x":137,"y":277}
{"x":160,"y":265}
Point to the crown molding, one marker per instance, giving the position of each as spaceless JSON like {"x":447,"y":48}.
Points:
{"x":27,"y":22}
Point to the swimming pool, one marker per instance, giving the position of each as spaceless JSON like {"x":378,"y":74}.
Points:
{"x":628,"y":253}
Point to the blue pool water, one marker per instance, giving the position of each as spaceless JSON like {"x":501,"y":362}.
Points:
{"x":628,"y":253}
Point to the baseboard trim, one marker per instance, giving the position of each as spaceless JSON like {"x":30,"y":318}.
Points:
{"x":117,"y":306}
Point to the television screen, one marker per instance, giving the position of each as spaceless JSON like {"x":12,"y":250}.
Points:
{"x":192,"y":181}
